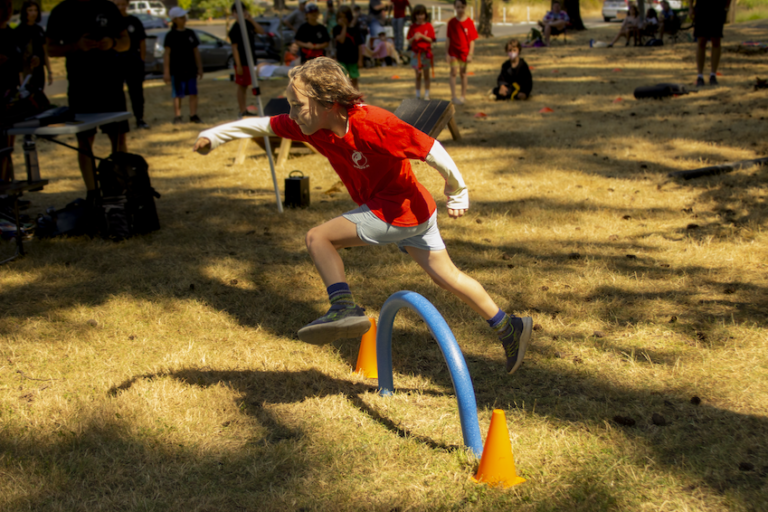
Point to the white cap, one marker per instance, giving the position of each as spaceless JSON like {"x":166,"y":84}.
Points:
{"x":176,"y":12}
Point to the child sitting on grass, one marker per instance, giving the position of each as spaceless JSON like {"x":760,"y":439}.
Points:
{"x":182,"y":64}
{"x":515,"y":81}
{"x":420,"y":37}
{"x":461,"y":35}
{"x":370,"y":148}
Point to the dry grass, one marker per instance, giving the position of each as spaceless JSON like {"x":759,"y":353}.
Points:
{"x":167,"y":396}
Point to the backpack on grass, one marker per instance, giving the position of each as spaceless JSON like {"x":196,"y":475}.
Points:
{"x":127,"y":197}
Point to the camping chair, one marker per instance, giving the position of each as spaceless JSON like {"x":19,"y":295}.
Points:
{"x":680,"y":32}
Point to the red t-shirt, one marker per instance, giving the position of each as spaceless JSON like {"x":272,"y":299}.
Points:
{"x":400,"y":6}
{"x":461,"y":33}
{"x":421,"y":45}
{"x":372,"y":161}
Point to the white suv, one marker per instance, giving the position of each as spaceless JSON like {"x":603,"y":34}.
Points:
{"x":145,"y":6}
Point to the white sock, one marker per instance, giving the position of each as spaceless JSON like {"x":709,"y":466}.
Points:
{"x":418,"y":94}
{"x":712,"y":74}
{"x":701,"y":76}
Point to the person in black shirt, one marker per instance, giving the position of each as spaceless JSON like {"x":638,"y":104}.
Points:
{"x":348,"y":42}
{"x":182,"y":64}
{"x":10,"y":69}
{"x":242,"y":73}
{"x":132,"y":62}
{"x":31,"y":40}
{"x":515,"y":80}
{"x":90,"y":34}
{"x":312,"y":37}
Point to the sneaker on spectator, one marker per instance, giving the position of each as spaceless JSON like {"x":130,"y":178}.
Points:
{"x":142,"y":125}
{"x":515,"y":339}
{"x":195,"y":119}
{"x":712,"y":80}
{"x":700,"y":82}
{"x":177,"y":120}
{"x":341,"y":321}
{"x":426,"y":96}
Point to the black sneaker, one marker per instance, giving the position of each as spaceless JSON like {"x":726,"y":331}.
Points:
{"x":195,"y":119}
{"x":515,"y":340}
{"x":341,"y":321}
{"x":177,"y":120}
{"x":700,"y":82}
{"x":142,"y":125}
{"x":712,"y":80}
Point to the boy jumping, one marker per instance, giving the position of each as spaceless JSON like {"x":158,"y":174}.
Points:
{"x":369,"y":148}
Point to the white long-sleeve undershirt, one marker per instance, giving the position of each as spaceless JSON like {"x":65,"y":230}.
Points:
{"x":455,"y":189}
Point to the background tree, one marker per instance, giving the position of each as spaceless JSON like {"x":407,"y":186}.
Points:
{"x":574,"y":13}
{"x":485,"y":21}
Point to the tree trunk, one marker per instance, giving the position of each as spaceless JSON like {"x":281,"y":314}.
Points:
{"x":485,"y":24}
{"x":641,"y":9}
{"x":278,"y":5}
{"x":574,"y":13}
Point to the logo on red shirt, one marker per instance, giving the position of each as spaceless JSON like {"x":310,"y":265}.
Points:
{"x":359,"y":160}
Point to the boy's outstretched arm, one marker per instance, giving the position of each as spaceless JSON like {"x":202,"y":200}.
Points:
{"x":212,"y":138}
{"x":456,"y":190}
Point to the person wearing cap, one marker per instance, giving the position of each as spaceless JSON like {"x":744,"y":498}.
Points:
{"x":90,"y":34}
{"x":182,"y":65}
{"x":297,"y":18}
{"x":312,"y":37}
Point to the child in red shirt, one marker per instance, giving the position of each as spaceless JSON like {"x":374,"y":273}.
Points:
{"x":461,"y":35}
{"x":369,"y":148}
{"x":420,"y":37}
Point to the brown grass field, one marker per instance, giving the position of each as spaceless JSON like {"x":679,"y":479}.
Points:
{"x":164,"y":372}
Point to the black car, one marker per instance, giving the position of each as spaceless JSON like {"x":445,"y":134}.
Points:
{"x":214,"y":52}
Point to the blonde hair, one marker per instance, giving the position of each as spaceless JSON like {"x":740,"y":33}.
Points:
{"x":325,"y":81}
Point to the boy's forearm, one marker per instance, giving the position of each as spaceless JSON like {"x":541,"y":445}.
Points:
{"x":455,"y":188}
{"x":243,"y":129}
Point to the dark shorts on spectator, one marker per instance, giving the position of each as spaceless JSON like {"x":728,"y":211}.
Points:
{"x":181,"y":88}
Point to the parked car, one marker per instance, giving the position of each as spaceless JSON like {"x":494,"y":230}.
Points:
{"x":149,"y":21}
{"x":214,"y":52}
{"x":148,"y":7}
{"x":618,"y":9}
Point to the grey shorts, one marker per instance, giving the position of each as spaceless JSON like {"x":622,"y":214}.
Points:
{"x":374,"y":231}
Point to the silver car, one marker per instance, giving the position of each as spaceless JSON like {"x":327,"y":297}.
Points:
{"x":214,"y":52}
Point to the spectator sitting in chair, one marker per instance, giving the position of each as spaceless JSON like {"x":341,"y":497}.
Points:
{"x":669,"y":23}
{"x":515,"y":81}
{"x":630,"y":27}
{"x":382,"y":50}
{"x":554,"y":22}
{"x":651,"y":26}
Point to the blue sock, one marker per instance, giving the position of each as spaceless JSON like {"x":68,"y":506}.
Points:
{"x":498,"y":317}
{"x":339,"y":293}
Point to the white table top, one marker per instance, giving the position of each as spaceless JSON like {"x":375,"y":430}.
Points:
{"x":81,"y":123}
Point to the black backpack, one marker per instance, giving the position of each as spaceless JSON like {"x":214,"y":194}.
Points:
{"x":127,"y":197}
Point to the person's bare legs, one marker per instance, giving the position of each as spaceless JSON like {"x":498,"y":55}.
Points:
{"x":438,"y":265}
{"x":6,"y":162}
{"x":547,"y":33}
{"x":452,"y":80}
{"x":118,"y":141}
{"x":714,"y":57}
{"x":701,"y":54}
{"x":84,"y":159}
{"x":464,"y":79}
{"x":193,"y":105}
{"x":241,"y":90}
{"x":177,"y":107}
{"x":323,"y":243}
{"x":426,"y":83}
{"x":418,"y":82}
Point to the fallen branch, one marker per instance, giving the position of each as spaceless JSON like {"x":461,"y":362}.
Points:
{"x":717,"y":169}
{"x":30,"y":378}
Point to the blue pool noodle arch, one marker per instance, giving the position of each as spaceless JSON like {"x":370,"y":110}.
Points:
{"x":462,"y":383}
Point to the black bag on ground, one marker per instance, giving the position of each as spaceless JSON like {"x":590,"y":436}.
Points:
{"x":127,"y":197}
{"x":660,"y":91}
{"x":72,"y":220}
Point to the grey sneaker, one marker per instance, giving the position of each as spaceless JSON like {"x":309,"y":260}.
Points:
{"x":340,"y":321}
{"x":515,"y":340}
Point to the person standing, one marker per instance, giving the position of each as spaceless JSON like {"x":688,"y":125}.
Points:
{"x":10,"y":72}
{"x":312,"y":37}
{"x":348,"y":45}
{"x":91,"y":34}
{"x":182,"y":64}
{"x":242,"y":73}
{"x":297,"y":18}
{"x":377,"y":11}
{"x":461,"y":35}
{"x":421,"y":35}
{"x":132,"y":62}
{"x":398,"y":22}
{"x":708,"y":20}
{"x":30,"y":37}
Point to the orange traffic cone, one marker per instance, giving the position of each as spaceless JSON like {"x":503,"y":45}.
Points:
{"x":366,"y":358}
{"x":497,"y":465}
